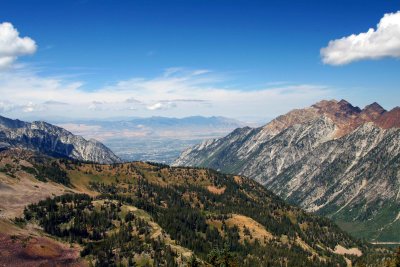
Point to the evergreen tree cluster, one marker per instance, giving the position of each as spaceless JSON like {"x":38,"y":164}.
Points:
{"x":108,"y":238}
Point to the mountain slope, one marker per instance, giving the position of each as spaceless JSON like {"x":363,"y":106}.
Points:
{"x":130,"y":212}
{"x":332,"y":158}
{"x":52,"y":140}
{"x":355,"y":181}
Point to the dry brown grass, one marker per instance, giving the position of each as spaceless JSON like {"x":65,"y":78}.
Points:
{"x":82,"y":175}
{"x":6,"y":227}
{"x":238,"y":179}
{"x":351,"y":251}
{"x":19,"y":188}
{"x":257,"y":231}
{"x":216,"y":190}
{"x":16,"y":193}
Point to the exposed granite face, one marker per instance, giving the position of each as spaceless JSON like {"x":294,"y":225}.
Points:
{"x":52,"y":140}
{"x":332,"y":158}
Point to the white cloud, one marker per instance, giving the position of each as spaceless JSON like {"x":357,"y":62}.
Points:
{"x":373,"y":44}
{"x":12,"y":46}
{"x":173,"y":103}
{"x":6,"y":106}
{"x":155,"y":106}
{"x":31,"y":107}
{"x":164,"y":105}
{"x":178,"y":93}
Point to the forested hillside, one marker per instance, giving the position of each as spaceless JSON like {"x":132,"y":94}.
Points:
{"x":148,"y":214}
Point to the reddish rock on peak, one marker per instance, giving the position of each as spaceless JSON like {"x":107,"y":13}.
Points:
{"x":335,"y":108}
{"x":374,"y":107}
{"x":348,"y":108}
{"x":372,"y":112}
{"x":390,"y":119}
{"x":344,"y":115}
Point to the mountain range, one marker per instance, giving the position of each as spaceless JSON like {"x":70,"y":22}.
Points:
{"x":332,"y":158}
{"x":52,"y":140}
{"x":65,"y":201}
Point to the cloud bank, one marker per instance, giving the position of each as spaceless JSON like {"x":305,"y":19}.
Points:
{"x":373,"y":44}
{"x":12,"y":45}
{"x":174,"y":93}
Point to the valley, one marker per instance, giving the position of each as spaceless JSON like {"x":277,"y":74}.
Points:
{"x":157,"y":139}
{"x":199,"y":133}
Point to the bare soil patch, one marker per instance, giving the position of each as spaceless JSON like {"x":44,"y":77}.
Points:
{"x":24,"y":250}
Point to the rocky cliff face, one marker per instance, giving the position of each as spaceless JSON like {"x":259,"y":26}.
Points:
{"x":332,"y":158}
{"x":53,"y":141}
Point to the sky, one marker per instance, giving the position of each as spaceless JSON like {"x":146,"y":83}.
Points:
{"x":250,"y":60}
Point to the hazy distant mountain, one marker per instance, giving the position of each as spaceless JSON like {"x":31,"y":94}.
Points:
{"x":331,"y":158}
{"x":153,"y":124}
{"x":159,"y":139}
{"x":52,"y":140}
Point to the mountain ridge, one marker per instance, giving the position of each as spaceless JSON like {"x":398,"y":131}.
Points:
{"x":52,"y":140}
{"x":307,"y":154}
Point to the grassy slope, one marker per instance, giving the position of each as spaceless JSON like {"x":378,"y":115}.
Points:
{"x":264,"y":223}
{"x":205,"y":182}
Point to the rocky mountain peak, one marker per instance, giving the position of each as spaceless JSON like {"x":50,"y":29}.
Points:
{"x":325,"y":103}
{"x":346,"y":116}
{"x":337,"y":109}
{"x":52,"y":140}
{"x":346,"y":106}
{"x":374,"y":107}
{"x":372,"y":112}
{"x":343,"y":114}
{"x":291,"y":118}
{"x":41,"y":125}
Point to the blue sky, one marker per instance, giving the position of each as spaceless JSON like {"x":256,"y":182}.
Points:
{"x":215,"y":46}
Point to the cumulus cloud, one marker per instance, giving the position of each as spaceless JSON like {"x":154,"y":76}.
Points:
{"x":173,"y":103}
{"x":373,"y":44}
{"x":161,"y":106}
{"x":12,"y":45}
{"x":32,"y":107}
